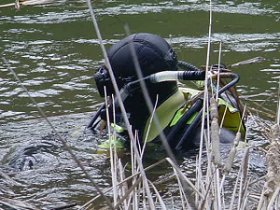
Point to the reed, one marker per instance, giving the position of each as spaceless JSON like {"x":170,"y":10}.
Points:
{"x":15,"y":204}
{"x":271,"y":196}
{"x":19,"y":3}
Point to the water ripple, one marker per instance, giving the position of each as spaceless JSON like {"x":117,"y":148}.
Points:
{"x":235,"y":42}
{"x":134,"y":9}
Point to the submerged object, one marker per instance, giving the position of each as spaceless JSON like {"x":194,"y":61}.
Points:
{"x":30,"y":156}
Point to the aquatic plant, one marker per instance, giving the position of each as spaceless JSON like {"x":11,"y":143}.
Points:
{"x":18,"y":3}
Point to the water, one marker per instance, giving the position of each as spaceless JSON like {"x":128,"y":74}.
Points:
{"x":54,"y":51}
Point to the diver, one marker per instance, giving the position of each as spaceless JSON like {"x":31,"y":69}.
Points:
{"x":178,"y":109}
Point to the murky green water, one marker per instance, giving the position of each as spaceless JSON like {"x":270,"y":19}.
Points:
{"x":54,"y":51}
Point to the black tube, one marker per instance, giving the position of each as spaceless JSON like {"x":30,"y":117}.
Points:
{"x":187,"y":66}
{"x":235,"y":80}
{"x":192,"y":75}
{"x":95,"y":124}
{"x":197,"y":120}
{"x":97,"y":114}
{"x":188,"y":131}
{"x":182,"y":122}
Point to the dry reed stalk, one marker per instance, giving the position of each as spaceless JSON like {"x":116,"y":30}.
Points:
{"x":243,"y":187}
{"x":217,"y":190}
{"x":215,"y":138}
{"x":207,"y":177}
{"x":241,"y":184}
{"x":122,"y":199}
{"x":162,"y":204}
{"x":125,"y":180}
{"x":261,"y":110}
{"x":146,"y":187}
{"x":229,"y":163}
{"x":148,"y":101}
{"x":19,"y":3}
{"x":211,"y":83}
{"x":205,"y":203}
{"x":197,"y":178}
{"x":124,"y":186}
{"x":274,"y":200}
{"x":199,"y":183}
{"x":181,"y":191}
{"x":15,"y":204}
{"x":219,"y":70}
{"x":135,"y":196}
{"x":133,"y":162}
{"x":273,"y":168}
{"x":131,"y":189}
{"x":114,"y":172}
{"x":183,"y":177}
{"x":151,"y":120}
{"x":7,"y":179}
{"x":278,"y":107}
{"x":112,"y":156}
{"x":235,"y":189}
{"x":223,"y":117}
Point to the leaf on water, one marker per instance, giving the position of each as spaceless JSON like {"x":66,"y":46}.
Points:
{"x":249,"y":61}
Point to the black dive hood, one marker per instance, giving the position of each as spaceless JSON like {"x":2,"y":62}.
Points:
{"x":154,"y":55}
